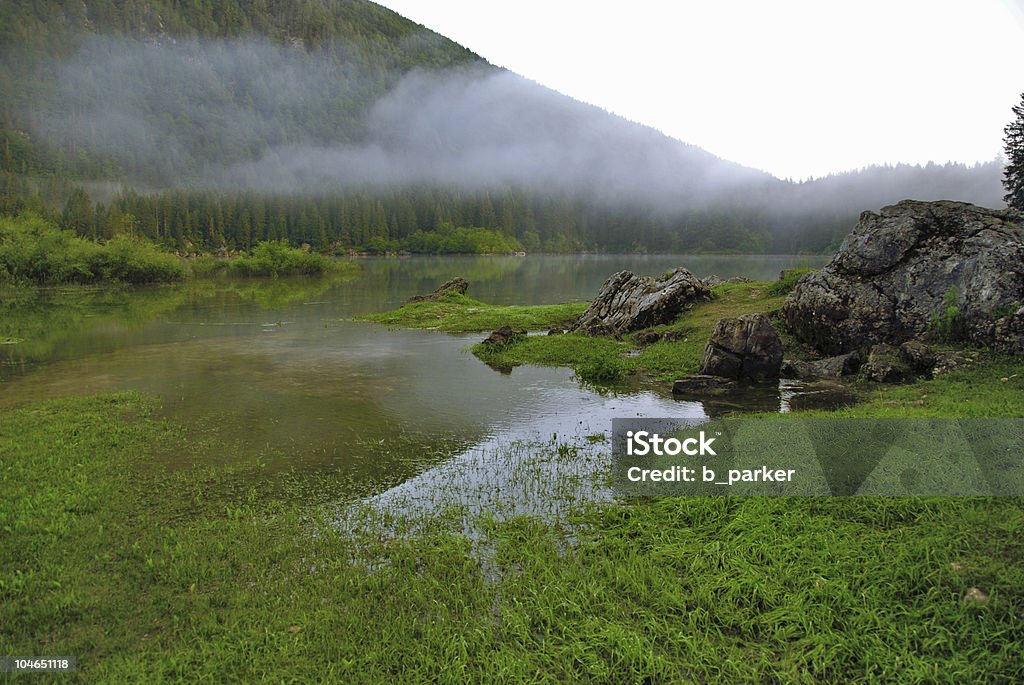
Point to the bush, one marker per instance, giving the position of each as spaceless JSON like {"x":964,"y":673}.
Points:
{"x":948,"y":323}
{"x":34,"y":250}
{"x":460,"y":241}
{"x":276,"y":258}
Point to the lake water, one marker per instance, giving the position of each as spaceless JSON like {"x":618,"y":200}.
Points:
{"x":280,"y":371}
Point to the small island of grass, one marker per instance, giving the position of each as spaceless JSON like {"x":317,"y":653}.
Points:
{"x":456,"y":313}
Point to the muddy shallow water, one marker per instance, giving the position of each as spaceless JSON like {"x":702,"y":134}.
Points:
{"x":278,"y":369}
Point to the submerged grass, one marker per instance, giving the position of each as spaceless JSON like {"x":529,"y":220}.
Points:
{"x":210,"y":576}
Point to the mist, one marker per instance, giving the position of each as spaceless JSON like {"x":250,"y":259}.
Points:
{"x":258,"y":116}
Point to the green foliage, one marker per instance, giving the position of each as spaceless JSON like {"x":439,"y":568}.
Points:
{"x":1013,"y":174}
{"x":33,"y":250}
{"x":593,"y":359}
{"x":356,"y":50}
{"x":787,"y":283}
{"x":225,"y":575}
{"x":275,"y":258}
{"x":460,"y":241}
{"x":602,"y":360}
{"x":948,"y":324}
{"x":604,"y":367}
{"x":461,"y":314}
{"x":983,"y":384}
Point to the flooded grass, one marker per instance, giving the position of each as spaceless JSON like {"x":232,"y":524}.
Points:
{"x":211,"y":574}
{"x":433,"y":561}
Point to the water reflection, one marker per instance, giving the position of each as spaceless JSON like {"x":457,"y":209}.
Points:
{"x":279,"y":368}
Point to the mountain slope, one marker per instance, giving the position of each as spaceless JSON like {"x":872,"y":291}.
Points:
{"x":317,"y":99}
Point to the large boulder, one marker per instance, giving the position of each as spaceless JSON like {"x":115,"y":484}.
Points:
{"x":911,"y":271}
{"x":745,"y":348}
{"x":828,"y":368}
{"x":628,"y":302}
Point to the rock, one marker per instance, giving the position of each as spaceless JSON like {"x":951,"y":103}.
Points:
{"x":645,"y":338}
{"x":902,"y":270}
{"x":556,"y":331}
{"x":628,"y":302}
{"x":711,"y":281}
{"x":699,"y":384}
{"x":504,"y":336}
{"x":918,"y":356}
{"x":739,"y":279}
{"x":456,"y":286}
{"x":947,"y":362}
{"x":828,"y":368}
{"x":744,"y":348}
{"x":975,"y":595}
{"x":885,"y":365}
{"x":675,"y":336}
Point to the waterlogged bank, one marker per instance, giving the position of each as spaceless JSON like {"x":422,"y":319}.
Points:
{"x":181,"y":538}
{"x":148,"y":574}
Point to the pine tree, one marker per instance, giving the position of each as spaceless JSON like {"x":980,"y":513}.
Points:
{"x":1013,"y":175}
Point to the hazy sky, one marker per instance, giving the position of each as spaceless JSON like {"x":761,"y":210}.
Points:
{"x":795,"y":87}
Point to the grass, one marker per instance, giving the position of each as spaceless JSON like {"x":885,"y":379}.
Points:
{"x":987,"y":385}
{"x":222,"y":574}
{"x":975,"y":389}
{"x":662,"y":361}
{"x":213,"y":575}
{"x":461,"y":314}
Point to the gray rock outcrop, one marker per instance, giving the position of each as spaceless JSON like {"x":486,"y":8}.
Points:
{"x":628,"y":302}
{"x":745,"y":348}
{"x":905,"y":272}
{"x":829,"y":368}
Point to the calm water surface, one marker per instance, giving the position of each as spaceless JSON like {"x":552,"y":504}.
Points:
{"x":279,"y":369}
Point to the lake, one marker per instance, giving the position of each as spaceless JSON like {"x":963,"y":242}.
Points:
{"x":278,"y":369}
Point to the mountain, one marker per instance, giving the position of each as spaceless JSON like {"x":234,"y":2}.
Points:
{"x":359,"y":126}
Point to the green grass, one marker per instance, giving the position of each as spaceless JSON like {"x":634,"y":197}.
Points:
{"x":976,"y":389}
{"x":217,"y":575}
{"x":461,"y":314}
{"x":987,"y":385}
{"x":223,"y":574}
{"x":662,"y":361}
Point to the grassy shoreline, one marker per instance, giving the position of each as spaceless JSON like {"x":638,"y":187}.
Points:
{"x":36,"y":252}
{"x":223,"y":574}
{"x":146,"y":574}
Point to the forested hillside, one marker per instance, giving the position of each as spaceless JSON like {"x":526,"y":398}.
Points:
{"x":343,"y":125}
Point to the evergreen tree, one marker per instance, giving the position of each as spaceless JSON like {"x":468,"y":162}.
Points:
{"x":1013,"y":175}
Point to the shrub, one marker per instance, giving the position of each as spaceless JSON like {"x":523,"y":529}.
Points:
{"x":34,"y":250}
{"x":948,"y":323}
{"x":276,"y":258}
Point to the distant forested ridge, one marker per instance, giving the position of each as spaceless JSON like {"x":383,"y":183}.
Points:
{"x":343,"y":125}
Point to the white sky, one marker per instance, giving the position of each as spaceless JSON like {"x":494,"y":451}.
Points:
{"x":795,"y":87}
